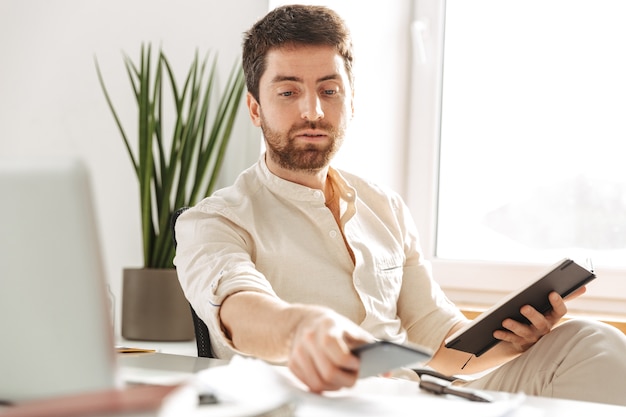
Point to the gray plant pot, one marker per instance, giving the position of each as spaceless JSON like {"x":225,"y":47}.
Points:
{"x":154,"y":307}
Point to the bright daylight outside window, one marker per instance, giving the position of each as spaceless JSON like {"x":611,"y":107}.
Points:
{"x":533,"y":132}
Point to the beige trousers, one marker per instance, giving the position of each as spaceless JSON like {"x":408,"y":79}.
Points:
{"x":580,"y":360}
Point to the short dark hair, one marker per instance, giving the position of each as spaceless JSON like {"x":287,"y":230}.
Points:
{"x":293,"y":25}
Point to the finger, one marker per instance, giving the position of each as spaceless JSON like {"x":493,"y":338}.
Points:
{"x":504,"y":336}
{"x":336,"y":365}
{"x":327,"y":377}
{"x":324,"y":363}
{"x":301,"y":364}
{"x":340,"y":354}
{"x":520,"y":343}
{"x":559,"y":309}
{"x":519,"y":332}
{"x":307,"y":375}
{"x":539,"y":323}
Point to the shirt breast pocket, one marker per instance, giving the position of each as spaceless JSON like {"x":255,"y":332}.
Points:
{"x":388,"y":272}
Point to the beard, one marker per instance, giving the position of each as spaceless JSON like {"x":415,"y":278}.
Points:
{"x":309,"y":157}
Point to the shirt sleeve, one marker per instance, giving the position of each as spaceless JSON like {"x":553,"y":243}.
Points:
{"x":213,"y":261}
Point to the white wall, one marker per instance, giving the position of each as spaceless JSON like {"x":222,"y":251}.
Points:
{"x":51,"y":102}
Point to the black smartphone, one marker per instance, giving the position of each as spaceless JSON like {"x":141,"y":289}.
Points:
{"x":384,"y":356}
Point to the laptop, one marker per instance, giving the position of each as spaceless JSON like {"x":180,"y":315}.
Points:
{"x":55,"y":322}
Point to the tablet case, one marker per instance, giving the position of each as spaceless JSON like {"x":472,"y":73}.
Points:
{"x":477,"y":337}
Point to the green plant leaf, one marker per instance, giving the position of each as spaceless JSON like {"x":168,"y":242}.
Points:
{"x":175,"y":165}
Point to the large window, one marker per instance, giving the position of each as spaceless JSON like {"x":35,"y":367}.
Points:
{"x":519,"y":118}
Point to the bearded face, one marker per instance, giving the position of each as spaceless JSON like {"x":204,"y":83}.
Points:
{"x":290,"y":153}
{"x":304,"y":107}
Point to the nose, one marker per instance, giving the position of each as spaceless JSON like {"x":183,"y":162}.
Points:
{"x":312,"y":108}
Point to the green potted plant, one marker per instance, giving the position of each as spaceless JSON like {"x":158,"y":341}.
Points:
{"x":175,"y":167}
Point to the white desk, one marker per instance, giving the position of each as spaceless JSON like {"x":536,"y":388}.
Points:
{"x":372,"y":396}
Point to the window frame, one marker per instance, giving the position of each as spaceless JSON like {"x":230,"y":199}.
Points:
{"x":468,"y":283}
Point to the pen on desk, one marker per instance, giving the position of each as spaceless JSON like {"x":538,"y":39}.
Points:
{"x":124,"y":349}
{"x":439,"y":389}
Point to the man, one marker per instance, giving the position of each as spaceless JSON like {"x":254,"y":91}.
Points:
{"x":298,"y":262}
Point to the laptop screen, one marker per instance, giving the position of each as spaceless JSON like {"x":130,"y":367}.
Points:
{"x":57,"y":336}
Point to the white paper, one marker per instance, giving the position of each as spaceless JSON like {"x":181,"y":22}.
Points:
{"x":248,"y":387}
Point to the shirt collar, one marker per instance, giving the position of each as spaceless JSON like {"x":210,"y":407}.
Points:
{"x":292,"y":191}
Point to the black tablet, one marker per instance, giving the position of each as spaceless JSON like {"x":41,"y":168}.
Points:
{"x":564,"y":277}
{"x":384,"y":356}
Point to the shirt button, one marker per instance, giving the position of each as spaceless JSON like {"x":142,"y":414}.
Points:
{"x":317,"y":194}
{"x":332,"y":234}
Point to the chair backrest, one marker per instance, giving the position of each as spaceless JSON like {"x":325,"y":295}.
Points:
{"x":203,"y":339}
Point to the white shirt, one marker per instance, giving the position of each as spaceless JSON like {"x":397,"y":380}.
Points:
{"x":267,"y":234}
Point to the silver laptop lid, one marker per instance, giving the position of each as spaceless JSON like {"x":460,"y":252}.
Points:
{"x":55,"y":324}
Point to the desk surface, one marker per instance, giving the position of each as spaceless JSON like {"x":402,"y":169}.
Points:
{"x":370,"y":396}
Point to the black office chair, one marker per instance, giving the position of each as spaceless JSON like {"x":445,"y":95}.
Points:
{"x":203,"y":340}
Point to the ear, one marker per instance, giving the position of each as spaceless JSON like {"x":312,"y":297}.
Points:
{"x":254,"y":108}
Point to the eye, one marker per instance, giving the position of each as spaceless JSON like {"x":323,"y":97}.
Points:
{"x":329,"y":89}
{"x":286,"y":93}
